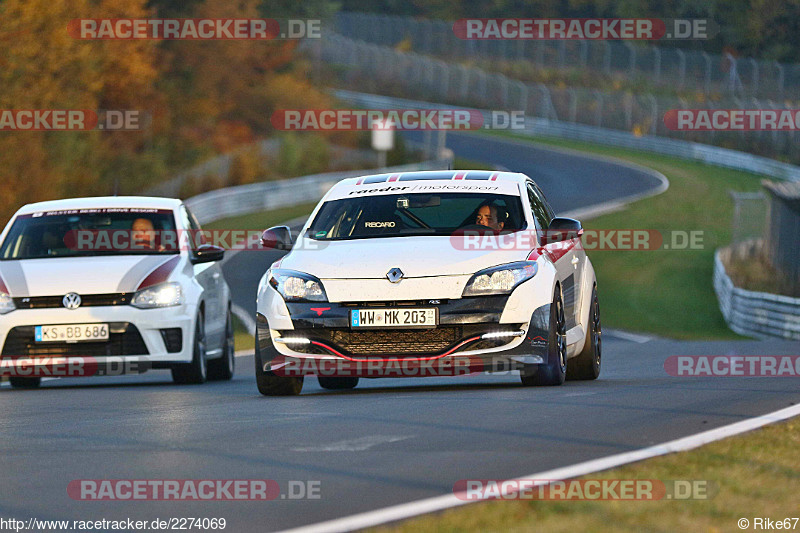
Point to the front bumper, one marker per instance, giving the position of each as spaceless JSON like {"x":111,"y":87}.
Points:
{"x":150,"y":338}
{"x":469,"y":337}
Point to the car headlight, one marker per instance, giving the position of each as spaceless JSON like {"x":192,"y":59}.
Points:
{"x":297,"y":286}
{"x":6,"y":303}
{"x":501,"y":279}
{"x":161,"y":295}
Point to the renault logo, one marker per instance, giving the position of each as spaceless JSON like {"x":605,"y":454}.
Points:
{"x":71,"y":300}
{"x":394,"y":275}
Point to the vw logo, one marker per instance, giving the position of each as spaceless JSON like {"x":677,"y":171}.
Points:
{"x":72,"y":300}
{"x":394,"y":275}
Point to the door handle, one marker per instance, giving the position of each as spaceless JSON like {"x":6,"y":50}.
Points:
{"x":575,"y":262}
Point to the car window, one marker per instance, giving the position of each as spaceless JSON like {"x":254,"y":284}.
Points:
{"x":540,"y":214}
{"x":408,"y":214}
{"x":89,"y":232}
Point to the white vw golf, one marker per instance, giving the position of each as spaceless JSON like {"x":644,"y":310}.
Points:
{"x":109,"y":285}
{"x":411,"y":274}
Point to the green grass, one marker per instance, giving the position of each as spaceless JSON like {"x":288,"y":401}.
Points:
{"x":666,"y":292}
{"x":749,"y":476}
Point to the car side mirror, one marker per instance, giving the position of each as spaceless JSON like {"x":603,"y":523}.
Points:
{"x":277,"y":237}
{"x":562,"y":229}
{"x":208,"y":253}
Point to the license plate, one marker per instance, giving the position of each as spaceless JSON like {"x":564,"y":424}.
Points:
{"x":393,"y":318}
{"x":72,"y":333}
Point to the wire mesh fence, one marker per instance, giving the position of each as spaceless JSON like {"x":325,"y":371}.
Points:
{"x":663,"y":66}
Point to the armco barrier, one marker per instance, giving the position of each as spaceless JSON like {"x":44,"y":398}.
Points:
{"x":756,"y":314}
{"x":256,"y":197}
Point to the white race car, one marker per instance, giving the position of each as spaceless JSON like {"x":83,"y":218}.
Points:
{"x":420,"y":271}
{"x":111,"y":285}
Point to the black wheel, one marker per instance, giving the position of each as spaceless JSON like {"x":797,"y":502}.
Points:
{"x":587,"y":365}
{"x":337,"y":383}
{"x":552,"y":372}
{"x":25,"y":383}
{"x":222,"y":369}
{"x":268,"y":383}
{"x":196,"y":371}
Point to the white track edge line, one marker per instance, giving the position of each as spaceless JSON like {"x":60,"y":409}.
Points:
{"x":447,"y":501}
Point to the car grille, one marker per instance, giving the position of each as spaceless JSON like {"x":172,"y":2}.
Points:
{"x":401,"y":342}
{"x":123,"y":339}
{"x":87,"y":300}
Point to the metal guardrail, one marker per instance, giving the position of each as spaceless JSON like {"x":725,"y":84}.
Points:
{"x":256,"y":197}
{"x":756,"y":314}
{"x":711,"y":155}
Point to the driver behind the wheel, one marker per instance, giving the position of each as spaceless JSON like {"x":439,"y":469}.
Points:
{"x":492,"y":216}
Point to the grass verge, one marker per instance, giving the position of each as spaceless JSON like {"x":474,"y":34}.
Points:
{"x":748,"y":476}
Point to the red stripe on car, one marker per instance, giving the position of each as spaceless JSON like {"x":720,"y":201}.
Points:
{"x":459,"y":175}
{"x":394,"y":177}
{"x":3,"y":287}
{"x":160,"y":273}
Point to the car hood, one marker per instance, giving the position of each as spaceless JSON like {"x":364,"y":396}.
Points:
{"x":83,"y":275}
{"x":373,"y":258}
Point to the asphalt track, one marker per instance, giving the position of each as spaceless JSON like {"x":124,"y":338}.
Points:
{"x":387,"y":442}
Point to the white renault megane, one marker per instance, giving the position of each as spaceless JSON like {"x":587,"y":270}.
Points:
{"x":110,"y":282}
{"x":421,"y":267}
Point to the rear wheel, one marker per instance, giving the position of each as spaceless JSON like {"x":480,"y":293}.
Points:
{"x":196,"y":371}
{"x":337,"y":383}
{"x":271,"y":385}
{"x":554,"y":370}
{"x":25,"y":383}
{"x":222,"y":369}
{"x":587,"y":365}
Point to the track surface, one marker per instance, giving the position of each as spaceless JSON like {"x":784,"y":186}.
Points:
{"x":387,"y":442}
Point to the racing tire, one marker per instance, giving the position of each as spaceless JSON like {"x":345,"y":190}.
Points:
{"x":25,"y":383}
{"x":270,"y":384}
{"x":586,"y":365}
{"x":337,"y":383}
{"x":553,"y":372}
{"x":222,"y":369}
{"x":195,"y":372}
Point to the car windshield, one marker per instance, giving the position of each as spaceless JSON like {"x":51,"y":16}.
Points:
{"x":89,"y":232}
{"x":397,"y":215}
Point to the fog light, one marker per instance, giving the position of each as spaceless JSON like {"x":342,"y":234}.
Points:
{"x":501,"y":334}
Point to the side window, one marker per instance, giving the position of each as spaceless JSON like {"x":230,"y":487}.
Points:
{"x":540,"y":214}
{"x":196,"y":237}
{"x":550,"y":213}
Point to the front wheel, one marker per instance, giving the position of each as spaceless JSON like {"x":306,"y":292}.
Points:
{"x":553,"y":372}
{"x":586,"y":366}
{"x":196,"y":371}
{"x":271,"y":385}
